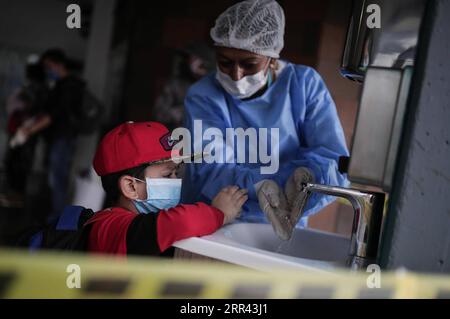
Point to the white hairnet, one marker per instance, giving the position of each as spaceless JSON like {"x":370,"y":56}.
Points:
{"x":253,"y":25}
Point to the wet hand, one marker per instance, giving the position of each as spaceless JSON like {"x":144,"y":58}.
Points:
{"x":274,"y":205}
{"x":296,"y":198}
{"x":230,"y":201}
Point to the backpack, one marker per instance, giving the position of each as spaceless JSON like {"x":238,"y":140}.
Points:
{"x":69,"y":232}
{"x":89,"y":116}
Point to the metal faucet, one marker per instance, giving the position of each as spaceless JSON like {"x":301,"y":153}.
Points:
{"x":368,"y":214}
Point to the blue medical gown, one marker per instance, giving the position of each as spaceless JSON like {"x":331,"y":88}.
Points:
{"x":310,"y":135}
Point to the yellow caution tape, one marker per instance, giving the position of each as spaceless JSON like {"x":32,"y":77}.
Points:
{"x":53,"y":275}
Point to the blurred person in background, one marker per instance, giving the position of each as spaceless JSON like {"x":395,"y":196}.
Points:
{"x":23,"y":109}
{"x":59,"y":123}
{"x":190,"y":64}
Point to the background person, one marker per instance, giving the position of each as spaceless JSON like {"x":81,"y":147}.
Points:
{"x":24,"y":108}
{"x":190,"y":64}
{"x":58,"y":121}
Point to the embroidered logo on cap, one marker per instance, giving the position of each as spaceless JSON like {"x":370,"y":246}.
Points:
{"x":167,"y":142}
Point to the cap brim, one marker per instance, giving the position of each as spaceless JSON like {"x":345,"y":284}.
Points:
{"x":179,"y":159}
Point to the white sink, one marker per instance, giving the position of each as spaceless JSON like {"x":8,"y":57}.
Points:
{"x":257,"y":246}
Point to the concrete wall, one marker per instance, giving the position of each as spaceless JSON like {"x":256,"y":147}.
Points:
{"x":417,"y":234}
{"x":38,"y":25}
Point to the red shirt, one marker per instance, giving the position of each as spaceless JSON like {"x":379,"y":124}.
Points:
{"x":121,"y":232}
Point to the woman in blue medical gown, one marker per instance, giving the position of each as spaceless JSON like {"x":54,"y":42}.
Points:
{"x":252,"y":88}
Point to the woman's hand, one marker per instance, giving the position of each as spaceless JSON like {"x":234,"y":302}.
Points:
{"x":274,"y":205}
{"x":230,"y":201}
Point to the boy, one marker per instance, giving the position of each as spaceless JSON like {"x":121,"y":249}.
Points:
{"x":136,"y":169}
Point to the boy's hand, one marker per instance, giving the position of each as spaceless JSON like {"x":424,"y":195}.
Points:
{"x":230,"y":200}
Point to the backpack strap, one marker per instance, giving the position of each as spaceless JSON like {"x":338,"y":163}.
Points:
{"x":36,"y":241}
{"x":67,"y":233}
{"x":69,"y":218}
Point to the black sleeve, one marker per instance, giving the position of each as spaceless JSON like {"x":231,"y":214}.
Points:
{"x":71,"y":97}
{"x":50,"y":107}
{"x":142,"y":237}
{"x":65,"y":99}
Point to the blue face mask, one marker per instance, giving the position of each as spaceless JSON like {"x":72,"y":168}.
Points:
{"x":162,"y":193}
{"x":52,"y":75}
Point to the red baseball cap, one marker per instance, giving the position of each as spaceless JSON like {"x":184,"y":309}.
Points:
{"x":132,"y":144}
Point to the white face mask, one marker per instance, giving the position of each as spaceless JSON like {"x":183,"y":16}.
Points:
{"x":245,"y":87}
